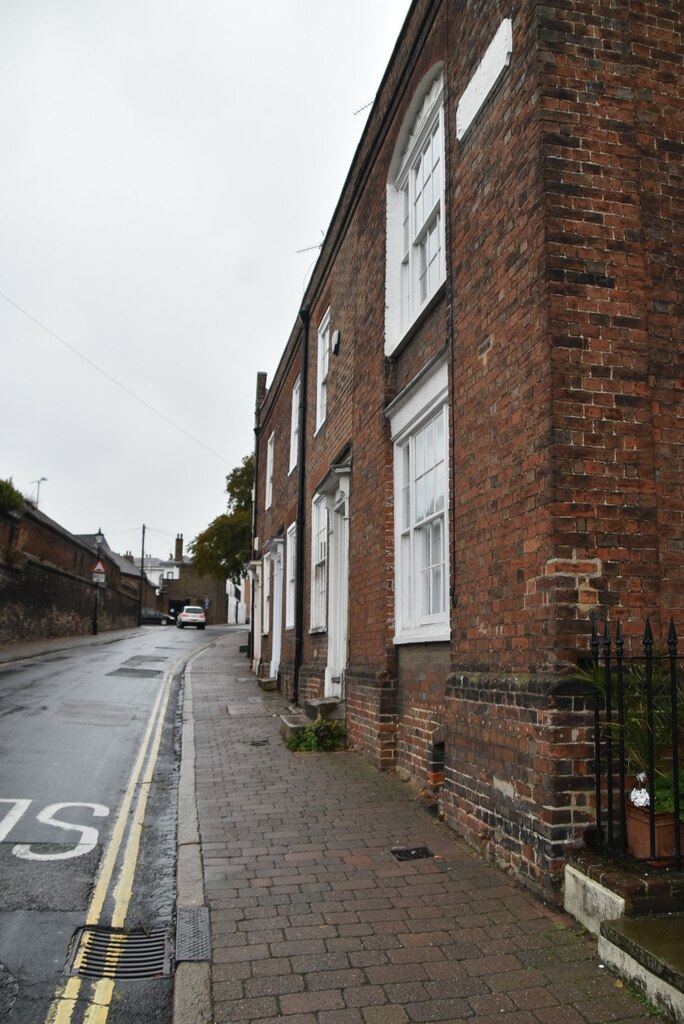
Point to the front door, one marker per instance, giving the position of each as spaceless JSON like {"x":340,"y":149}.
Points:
{"x":338,"y":587}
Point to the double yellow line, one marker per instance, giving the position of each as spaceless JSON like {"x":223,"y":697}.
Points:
{"x":99,"y":1000}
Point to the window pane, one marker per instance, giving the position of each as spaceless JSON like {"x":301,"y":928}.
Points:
{"x":439,"y":434}
{"x":405,"y":221}
{"x":436,"y":157}
{"x":437,"y":596}
{"x":425,"y":592}
{"x":420,"y":499}
{"x":437,"y":542}
{"x":418,"y":206}
{"x":430,"y":444}
{"x":425,"y":556}
{"x":420,"y":452}
{"x":406,"y":581}
{"x":429,"y":492}
{"x":440,"y":487}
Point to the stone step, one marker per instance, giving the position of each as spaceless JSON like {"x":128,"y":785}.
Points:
{"x":268,"y":684}
{"x":323,"y":707}
{"x":599,"y":886}
{"x":290,"y":724}
{"x":648,"y":952}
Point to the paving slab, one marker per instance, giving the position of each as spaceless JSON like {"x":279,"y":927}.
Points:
{"x":315,"y":921}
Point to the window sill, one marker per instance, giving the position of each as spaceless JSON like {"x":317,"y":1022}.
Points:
{"x":318,"y":630}
{"x":423,"y":635}
{"x":416,"y":324}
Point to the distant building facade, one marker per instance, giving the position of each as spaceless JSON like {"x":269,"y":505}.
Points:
{"x":179,"y":584}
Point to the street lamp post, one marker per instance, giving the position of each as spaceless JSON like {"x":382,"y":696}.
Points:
{"x":98,"y":540}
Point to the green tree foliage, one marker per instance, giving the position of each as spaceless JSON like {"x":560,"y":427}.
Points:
{"x":223,"y":548}
{"x":10,"y":498}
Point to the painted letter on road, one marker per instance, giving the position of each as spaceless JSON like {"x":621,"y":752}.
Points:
{"x":47,"y":817}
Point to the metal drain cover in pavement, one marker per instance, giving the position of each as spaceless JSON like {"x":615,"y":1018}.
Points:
{"x":114,"y":953}
{"x":412,"y":853}
{"x":193,"y":940}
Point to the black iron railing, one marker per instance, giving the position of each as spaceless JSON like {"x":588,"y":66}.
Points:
{"x":639,"y":718}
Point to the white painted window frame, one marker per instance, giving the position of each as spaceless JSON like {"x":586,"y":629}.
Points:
{"x":323,"y":366}
{"x":291,"y":575}
{"x":319,"y":563}
{"x":270,"y":446}
{"x":410,"y":224}
{"x":294,"y":424}
{"x":409,"y":415}
{"x":266,"y":595}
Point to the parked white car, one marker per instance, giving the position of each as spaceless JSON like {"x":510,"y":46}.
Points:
{"x":192,"y":615}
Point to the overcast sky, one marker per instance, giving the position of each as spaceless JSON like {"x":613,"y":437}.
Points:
{"x":162,"y":162}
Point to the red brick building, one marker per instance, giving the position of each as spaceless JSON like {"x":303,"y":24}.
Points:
{"x":473,"y":442}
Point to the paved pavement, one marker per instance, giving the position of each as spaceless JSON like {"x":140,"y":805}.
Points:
{"x":35,"y":648}
{"x":313,"y":920}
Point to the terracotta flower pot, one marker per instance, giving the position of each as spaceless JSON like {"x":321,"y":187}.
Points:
{"x":639,"y":835}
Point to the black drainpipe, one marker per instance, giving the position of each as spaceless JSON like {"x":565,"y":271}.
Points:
{"x":301,"y":510}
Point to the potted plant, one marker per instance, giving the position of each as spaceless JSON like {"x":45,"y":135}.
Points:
{"x":638,"y":816}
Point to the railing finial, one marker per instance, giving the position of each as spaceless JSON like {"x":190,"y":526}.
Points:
{"x":648,"y":638}
{"x":672,"y":637}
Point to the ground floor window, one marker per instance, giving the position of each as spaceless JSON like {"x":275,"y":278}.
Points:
{"x":319,"y":562}
{"x":420,"y":433}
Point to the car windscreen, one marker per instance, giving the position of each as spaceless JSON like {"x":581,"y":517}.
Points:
{"x":192,"y":610}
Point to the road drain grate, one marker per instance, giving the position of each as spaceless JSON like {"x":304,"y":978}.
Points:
{"x":412,"y":853}
{"x":114,"y":953}
{"x":193,"y":940}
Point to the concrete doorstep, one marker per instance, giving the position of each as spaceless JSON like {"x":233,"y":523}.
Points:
{"x":649,"y":953}
{"x":644,"y":949}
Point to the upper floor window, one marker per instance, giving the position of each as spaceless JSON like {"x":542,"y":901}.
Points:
{"x":319,"y":562}
{"x":294,"y":425}
{"x":269,"y":471}
{"x":416,"y":264}
{"x":322,"y":375}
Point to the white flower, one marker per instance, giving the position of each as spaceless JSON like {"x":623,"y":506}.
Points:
{"x":639,"y":797}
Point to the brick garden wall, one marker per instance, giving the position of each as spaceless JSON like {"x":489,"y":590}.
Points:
{"x":46,"y":586}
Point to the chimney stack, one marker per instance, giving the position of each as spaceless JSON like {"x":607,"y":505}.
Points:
{"x":179,"y":548}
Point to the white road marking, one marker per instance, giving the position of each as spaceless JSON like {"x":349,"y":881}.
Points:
{"x":13,"y":816}
{"x":89,"y":835}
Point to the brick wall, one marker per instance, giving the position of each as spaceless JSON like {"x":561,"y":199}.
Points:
{"x":191,"y":588}
{"x":560,"y":318}
{"x":518,"y":783}
{"x":613,"y":141}
{"x":46,"y":586}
